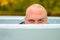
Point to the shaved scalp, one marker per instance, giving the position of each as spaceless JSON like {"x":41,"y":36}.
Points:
{"x":34,"y":13}
{"x":36,"y":7}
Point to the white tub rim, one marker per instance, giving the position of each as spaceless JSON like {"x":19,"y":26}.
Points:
{"x":30,"y":26}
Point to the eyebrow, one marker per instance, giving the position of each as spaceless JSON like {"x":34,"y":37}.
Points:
{"x":41,"y":18}
{"x":34,"y":20}
{"x":31,"y":19}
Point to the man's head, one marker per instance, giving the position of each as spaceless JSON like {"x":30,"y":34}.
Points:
{"x":36,"y":14}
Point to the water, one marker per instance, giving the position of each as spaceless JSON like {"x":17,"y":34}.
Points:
{"x":19,"y":19}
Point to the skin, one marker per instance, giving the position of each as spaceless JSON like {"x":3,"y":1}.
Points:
{"x":36,"y":14}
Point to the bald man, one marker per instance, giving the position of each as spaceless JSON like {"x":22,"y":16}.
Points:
{"x":36,"y":14}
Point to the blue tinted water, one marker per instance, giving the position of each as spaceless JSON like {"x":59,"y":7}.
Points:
{"x":19,"y":19}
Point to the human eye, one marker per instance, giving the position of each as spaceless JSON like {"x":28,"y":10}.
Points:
{"x":40,"y":20}
{"x":31,"y":21}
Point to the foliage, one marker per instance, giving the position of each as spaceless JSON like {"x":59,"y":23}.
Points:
{"x":52,"y":6}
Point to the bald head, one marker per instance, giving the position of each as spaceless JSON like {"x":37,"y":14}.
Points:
{"x":35,"y":13}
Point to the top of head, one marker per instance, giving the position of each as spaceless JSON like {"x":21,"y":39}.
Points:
{"x":36,"y":7}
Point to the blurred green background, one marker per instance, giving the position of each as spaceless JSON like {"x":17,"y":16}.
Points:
{"x":18,"y":7}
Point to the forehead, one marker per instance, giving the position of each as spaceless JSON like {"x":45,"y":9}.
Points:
{"x":35,"y":17}
{"x":35,"y":10}
{"x":36,"y":13}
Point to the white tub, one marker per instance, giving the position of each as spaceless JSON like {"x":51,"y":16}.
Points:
{"x":10,"y":29}
{"x":30,"y":32}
